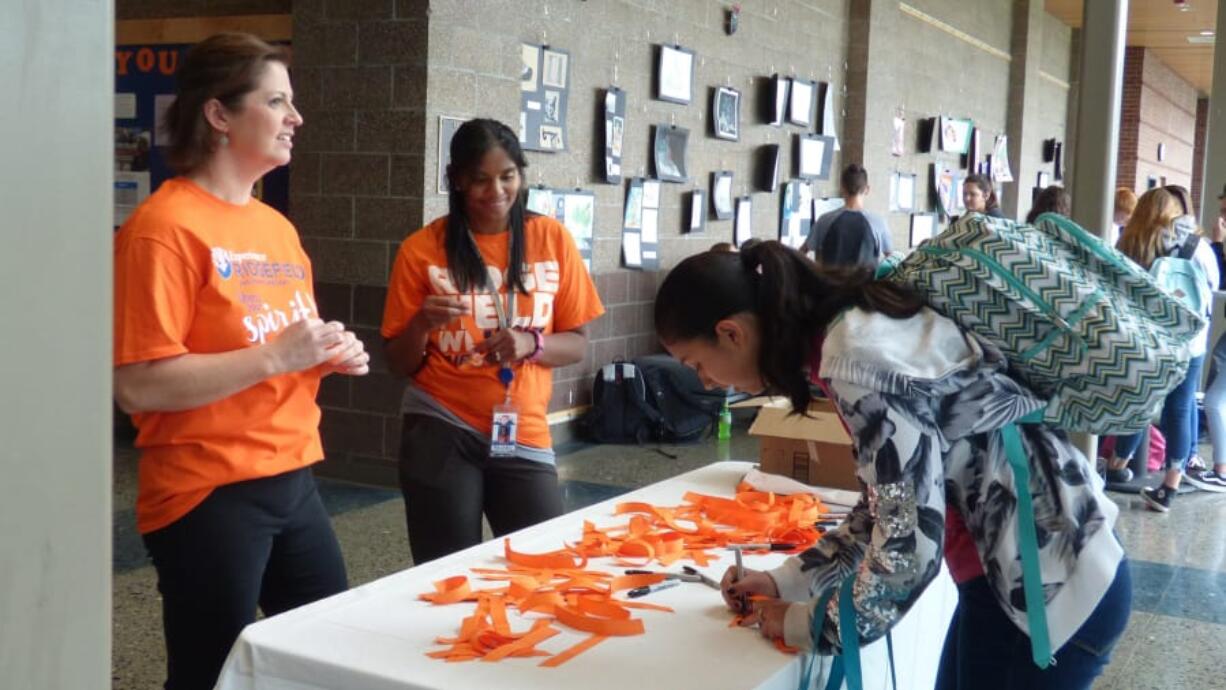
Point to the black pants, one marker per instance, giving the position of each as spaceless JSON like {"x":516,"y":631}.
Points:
{"x":448,"y":479}
{"x":265,"y":542}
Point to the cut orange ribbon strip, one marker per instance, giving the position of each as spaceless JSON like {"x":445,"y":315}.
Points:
{"x":557,"y":585}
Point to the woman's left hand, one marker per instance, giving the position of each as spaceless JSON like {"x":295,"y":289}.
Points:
{"x":350,"y":358}
{"x":768,"y":615}
{"x":506,"y":346}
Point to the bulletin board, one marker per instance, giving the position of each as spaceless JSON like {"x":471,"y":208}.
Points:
{"x":144,"y":87}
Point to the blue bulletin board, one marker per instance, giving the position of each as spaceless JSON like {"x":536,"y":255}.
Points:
{"x":144,"y":86}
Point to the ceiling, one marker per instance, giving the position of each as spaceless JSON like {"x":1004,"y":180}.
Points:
{"x":1160,"y":26}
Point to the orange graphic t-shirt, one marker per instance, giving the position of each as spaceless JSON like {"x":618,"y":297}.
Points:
{"x":561,"y":298}
{"x":195,"y":274}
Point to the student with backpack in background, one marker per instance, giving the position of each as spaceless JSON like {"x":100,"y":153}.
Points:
{"x":931,"y":409}
{"x":1161,"y":237}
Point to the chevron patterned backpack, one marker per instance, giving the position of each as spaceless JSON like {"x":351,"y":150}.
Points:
{"x":1080,"y":323}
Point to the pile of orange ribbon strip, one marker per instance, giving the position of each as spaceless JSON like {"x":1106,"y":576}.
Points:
{"x":558,"y":587}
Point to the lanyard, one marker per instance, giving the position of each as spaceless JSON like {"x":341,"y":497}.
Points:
{"x":506,"y":314}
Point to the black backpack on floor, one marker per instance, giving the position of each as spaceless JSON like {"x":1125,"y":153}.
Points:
{"x":653,"y":398}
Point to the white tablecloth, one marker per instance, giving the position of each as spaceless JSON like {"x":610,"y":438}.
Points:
{"x":375,"y":637}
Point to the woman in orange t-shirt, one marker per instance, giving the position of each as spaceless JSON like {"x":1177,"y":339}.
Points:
{"x":218,"y":356}
{"x":482,"y":305}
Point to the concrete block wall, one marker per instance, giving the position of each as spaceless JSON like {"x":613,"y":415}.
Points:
{"x":474,"y":65}
{"x":355,"y":193}
{"x":931,"y":58}
{"x":1047,"y":113}
{"x":474,"y":71}
{"x":372,"y":78}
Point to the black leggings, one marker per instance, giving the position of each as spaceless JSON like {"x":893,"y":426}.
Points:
{"x":265,"y":542}
{"x":448,"y":479}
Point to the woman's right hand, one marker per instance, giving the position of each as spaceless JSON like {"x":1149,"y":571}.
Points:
{"x":754,"y":582}
{"x":440,"y":310}
{"x":306,"y":344}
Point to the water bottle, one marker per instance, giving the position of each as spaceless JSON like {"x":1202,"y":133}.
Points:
{"x":725,"y":422}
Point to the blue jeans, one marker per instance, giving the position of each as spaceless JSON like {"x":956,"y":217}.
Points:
{"x":1215,"y":403}
{"x":1178,"y":425}
{"x":984,"y":649}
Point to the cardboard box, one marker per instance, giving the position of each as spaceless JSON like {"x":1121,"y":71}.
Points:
{"x":813,"y":449}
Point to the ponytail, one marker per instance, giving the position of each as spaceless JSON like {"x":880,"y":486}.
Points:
{"x":793,"y":299}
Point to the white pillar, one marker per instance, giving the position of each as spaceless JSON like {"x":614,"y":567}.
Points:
{"x":1100,"y":77}
{"x":1215,"y":132}
{"x":57,"y":66}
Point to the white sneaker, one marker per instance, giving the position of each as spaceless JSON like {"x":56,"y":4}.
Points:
{"x":1207,"y":480}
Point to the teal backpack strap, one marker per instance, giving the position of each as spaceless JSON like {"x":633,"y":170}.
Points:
{"x":1028,"y":543}
{"x":845,"y":665}
{"x":849,"y":634}
{"x":815,"y":632}
{"x":889,"y":648}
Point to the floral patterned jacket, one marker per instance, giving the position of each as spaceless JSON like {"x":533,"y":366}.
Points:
{"x":925,"y":402}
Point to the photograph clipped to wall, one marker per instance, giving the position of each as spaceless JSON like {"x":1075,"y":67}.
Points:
{"x":796,"y":213}
{"x":1000,"y":170}
{"x":743,"y":225}
{"x":902,"y":192}
{"x":766,"y":167}
{"x":446,"y":130}
{"x":614,"y":133}
{"x":814,"y":155}
{"x":698,"y":212}
{"x":726,"y":113}
{"x":575,"y":209}
{"x":945,"y":190}
{"x":923,"y":227}
{"x":641,"y":225}
{"x":670,"y":144}
{"x":955,"y":134}
{"x":540,"y":200}
{"x":675,"y":75}
{"x":781,"y":87}
{"x":825,"y":120}
{"x":544,"y":86}
{"x":800,"y":108}
{"x":897,"y":138}
{"x":721,"y":194}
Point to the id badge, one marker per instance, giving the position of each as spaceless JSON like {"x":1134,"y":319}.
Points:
{"x":504,"y":430}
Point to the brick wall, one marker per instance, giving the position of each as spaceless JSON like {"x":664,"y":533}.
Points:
{"x":1198,"y":150}
{"x":1158,"y":107}
{"x":1130,"y":118}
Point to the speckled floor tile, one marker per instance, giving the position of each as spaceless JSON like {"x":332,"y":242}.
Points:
{"x":1170,"y":653}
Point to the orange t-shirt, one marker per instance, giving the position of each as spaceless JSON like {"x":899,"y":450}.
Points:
{"x":195,"y":274}
{"x":561,"y":298}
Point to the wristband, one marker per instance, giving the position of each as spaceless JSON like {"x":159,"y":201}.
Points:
{"x":539,"y":336}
